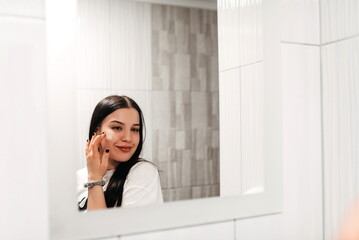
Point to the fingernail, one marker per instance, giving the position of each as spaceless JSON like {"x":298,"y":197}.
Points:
{"x":107,"y":150}
{"x":102,"y":133}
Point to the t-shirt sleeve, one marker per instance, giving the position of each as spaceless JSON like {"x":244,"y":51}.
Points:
{"x":81,"y":191}
{"x":142,"y":186}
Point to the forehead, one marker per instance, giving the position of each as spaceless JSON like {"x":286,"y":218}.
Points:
{"x":124,"y":115}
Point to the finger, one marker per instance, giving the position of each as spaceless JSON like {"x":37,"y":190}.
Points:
{"x":93,"y":137}
{"x":104,"y":160}
{"x":97,"y":140}
{"x":87,"y":149}
{"x":95,"y":144}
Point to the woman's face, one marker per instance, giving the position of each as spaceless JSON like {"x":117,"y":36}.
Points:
{"x":122,"y":128}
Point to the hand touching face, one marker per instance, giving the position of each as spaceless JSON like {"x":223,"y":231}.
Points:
{"x":97,"y":161}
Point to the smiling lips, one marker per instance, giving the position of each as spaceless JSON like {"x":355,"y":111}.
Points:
{"x":124,"y":148}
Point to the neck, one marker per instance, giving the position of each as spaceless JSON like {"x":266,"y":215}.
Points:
{"x":112,"y":164}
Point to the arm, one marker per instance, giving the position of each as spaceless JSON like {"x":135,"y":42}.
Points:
{"x":96,"y":198}
{"x":96,"y":165}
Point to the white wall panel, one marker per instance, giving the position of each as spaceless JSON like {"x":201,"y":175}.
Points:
{"x":223,"y":230}
{"x":300,"y":21}
{"x":240,"y":34}
{"x":339,"y":19}
{"x":250,"y":31}
{"x":302,"y":159}
{"x":130,"y":43}
{"x":228,"y":34}
{"x":260,"y":228}
{"x":23,"y":119}
{"x":230,"y":120}
{"x":28,"y":8}
{"x":93,"y":44}
{"x":340,"y":129}
{"x":251,"y":108}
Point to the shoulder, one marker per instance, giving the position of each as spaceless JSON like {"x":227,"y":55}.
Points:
{"x":144,"y":166}
{"x":143,"y":169}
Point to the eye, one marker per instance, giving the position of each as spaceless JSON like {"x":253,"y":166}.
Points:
{"x":135,"y":129}
{"x":116,"y":128}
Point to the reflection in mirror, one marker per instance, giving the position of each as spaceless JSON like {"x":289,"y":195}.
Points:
{"x":165,"y":58}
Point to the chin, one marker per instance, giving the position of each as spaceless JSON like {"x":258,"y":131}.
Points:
{"x":120,"y":160}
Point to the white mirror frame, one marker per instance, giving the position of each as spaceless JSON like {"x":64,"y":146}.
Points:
{"x":66,"y":222}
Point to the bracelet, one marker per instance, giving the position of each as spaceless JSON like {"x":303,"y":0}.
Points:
{"x":90,"y":184}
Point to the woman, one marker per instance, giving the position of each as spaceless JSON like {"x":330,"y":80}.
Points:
{"x":115,"y":175}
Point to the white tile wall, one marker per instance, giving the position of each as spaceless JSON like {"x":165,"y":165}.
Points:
{"x":23,"y":8}
{"x":240,"y":35}
{"x":230,"y":120}
{"x":300,"y":21}
{"x":24,"y":201}
{"x":130,"y":43}
{"x":259,"y":228}
{"x":228,"y":34}
{"x":110,"y":238}
{"x":114,"y":45}
{"x":340,"y":63}
{"x":251,"y":107}
{"x":93,"y":48}
{"x":302,"y":159}
{"x":339,"y":19}
{"x":223,"y":230}
{"x":250,"y":31}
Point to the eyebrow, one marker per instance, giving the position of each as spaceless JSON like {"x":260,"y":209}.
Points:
{"x":115,"y":121}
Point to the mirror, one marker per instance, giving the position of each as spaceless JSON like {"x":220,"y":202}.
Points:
{"x":66,"y":222}
{"x":166,"y":59}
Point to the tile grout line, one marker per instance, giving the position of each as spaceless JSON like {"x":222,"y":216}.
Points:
{"x":241,"y":66}
{"x":322,"y":44}
{"x":321,"y":117}
{"x":21,"y":16}
{"x":234,"y":229}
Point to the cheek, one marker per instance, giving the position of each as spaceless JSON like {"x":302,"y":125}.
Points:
{"x":109,"y":136}
{"x":137,"y":139}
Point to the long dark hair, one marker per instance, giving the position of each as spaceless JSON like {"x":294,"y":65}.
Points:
{"x":106,"y":106}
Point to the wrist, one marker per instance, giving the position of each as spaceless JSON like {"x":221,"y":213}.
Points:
{"x":91,"y":184}
{"x":94,"y":178}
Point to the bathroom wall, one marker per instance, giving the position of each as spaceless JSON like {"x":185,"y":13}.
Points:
{"x":166,"y":59}
{"x":23,"y":158}
{"x":319,"y":58}
{"x":320,"y":113}
{"x":340,"y":113}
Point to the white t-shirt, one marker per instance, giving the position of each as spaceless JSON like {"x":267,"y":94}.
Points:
{"x":142,"y":185}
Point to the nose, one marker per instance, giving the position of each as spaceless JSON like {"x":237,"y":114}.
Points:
{"x":126,"y":136}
